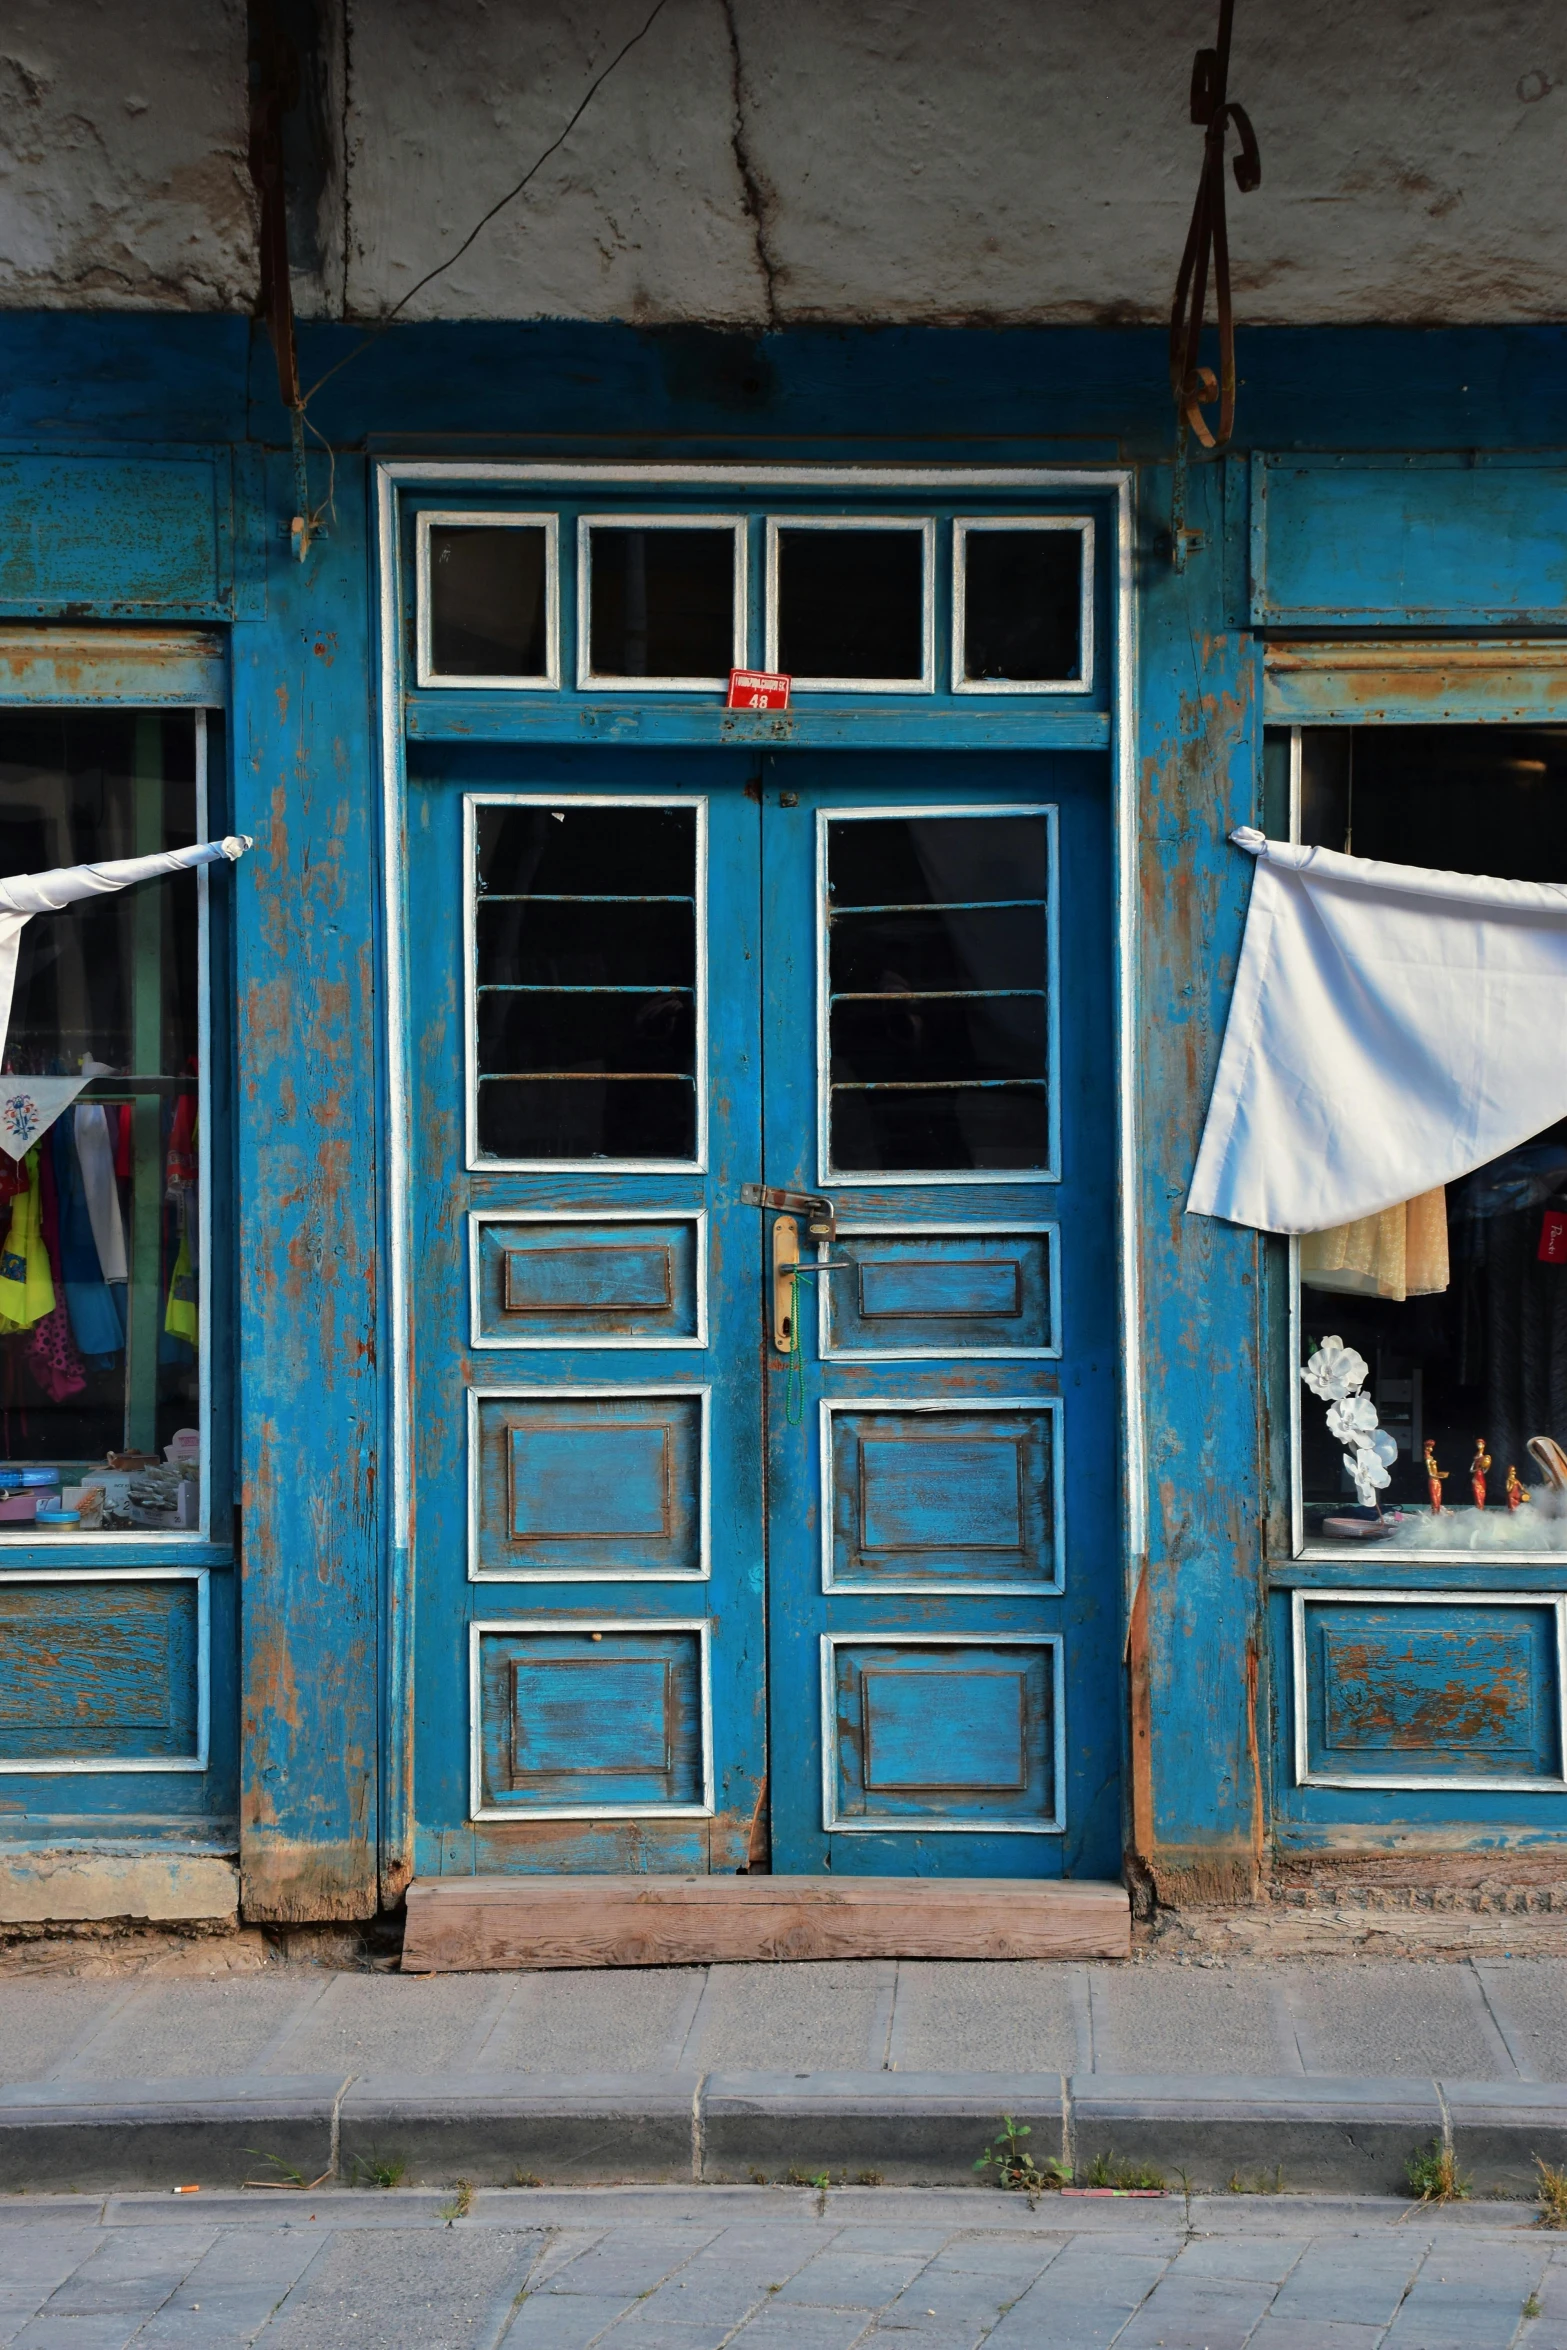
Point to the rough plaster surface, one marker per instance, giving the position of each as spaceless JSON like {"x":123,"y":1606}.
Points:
{"x":123,"y":180}
{"x":38,"y":1886}
{"x":756,"y":162}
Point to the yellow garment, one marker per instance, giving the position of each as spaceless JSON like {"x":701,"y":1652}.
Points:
{"x":1400,"y":1253}
{"x":181,"y":1317}
{"x":26,"y":1283}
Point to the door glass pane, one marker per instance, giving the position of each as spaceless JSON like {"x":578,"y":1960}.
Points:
{"x":1455,"y":1303}
{"x":851,"y":603}
{"x":939,"y":992}
{"x":488,"y":601}
{"x":662,"y":602}
{"x":1022,"y":605}
{"x":587,"y":1009}
{"x":100,"y":1396}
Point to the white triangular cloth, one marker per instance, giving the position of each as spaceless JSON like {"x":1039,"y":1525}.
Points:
{"x":27,"y":894}
{"x":1390,"y":1029}
{"x":29,"y":1106}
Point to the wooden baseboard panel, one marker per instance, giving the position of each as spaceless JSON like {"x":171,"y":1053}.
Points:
{"x":468,"y":1924}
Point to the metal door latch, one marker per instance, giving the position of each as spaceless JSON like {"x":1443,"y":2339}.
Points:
{"x":821,"y":1216}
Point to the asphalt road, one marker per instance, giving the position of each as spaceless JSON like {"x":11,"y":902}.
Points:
{"x":679,"y":2269}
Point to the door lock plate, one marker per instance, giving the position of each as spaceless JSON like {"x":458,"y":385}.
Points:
{"x":786,"y":1289}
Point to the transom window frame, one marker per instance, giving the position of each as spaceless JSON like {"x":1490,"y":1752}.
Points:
{"x":492,"y":518}
{"x":962,"y":526}
{"x":591,"y":680}
{"x":925,"y":524}
{"x":833,"y":1178}
{"x":568,"y":595}
{"x":474,"y":1162}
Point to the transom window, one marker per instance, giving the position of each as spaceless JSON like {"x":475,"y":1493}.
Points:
{"x":648,"y":601}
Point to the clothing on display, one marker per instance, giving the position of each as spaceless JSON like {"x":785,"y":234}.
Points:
{"x":1391,"y":1030}
{"x":26,"y":1282}
{"x":1398,"y":1254}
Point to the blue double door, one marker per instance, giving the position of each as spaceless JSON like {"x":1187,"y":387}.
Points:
{"x":763,"y":1533}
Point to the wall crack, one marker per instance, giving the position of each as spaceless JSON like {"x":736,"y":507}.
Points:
{"x":755,"y":194}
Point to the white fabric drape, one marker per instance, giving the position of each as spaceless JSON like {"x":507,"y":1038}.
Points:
{"x":27,"y":894}
{"x":1391,"y":1029}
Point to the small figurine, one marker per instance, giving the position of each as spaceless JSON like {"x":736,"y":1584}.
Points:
{"x":1517,"y":1491}
{"x":1478,"y":1469}
{"x":1435,"y":1479}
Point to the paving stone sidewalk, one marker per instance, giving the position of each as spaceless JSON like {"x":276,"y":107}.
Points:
{"x":1326,"y":2075}
{"x":767,"y":2270}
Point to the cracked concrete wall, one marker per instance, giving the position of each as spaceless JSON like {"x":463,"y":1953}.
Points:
{"x":123,"y":181}
{"x":756,"y":162}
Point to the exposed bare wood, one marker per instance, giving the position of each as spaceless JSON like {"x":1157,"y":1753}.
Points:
{"x":457,"y":1924}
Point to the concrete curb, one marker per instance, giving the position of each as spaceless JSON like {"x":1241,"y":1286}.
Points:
{"x":1300,"y":2134}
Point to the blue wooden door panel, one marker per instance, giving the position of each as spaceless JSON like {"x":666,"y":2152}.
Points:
{"x":1428,"y":1692}
{"x":588,"y":1475}
{"x":943,"y":1562}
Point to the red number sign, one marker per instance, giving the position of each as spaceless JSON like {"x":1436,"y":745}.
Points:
{"x":758,"y":689}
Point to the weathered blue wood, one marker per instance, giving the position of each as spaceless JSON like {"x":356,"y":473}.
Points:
{"x":115,"y":537}
{"x":1197,"y":1810}
{"x":1426,"y":683}
{"x":1455,"y":542}
{"x":543,"y":1280}
{"x":972,"y":1833}
{"x":953,"y":1499}
{"x":954,"y":1290}
{"x":309,"y":1429}
{"x":927,"y":725}
{"x":593,"y":1486}
{"x":570,"y":1719}
{"x":596,"y":1498}
{"x":100,"y":1670}
{"x":1444,"y":1688}
{"x":964,"y":1736}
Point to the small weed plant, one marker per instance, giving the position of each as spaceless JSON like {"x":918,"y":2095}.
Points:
{"x":382,"y":2170}
{"x":461,"y":2203}
{"x":1012,"y":2165}
{"x":1434,"y":2175}
{"x":1534,"y":2306}
{"x":1553,"y":2194}
{"x":1106,"y":2170}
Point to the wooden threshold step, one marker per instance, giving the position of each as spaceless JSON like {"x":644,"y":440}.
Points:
{"x":465,"y":1924}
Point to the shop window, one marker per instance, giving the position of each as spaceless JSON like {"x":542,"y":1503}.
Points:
{"x":487,"y":599}
{"x":850,"y":605}
{"x":103,"y":1195}
{"x":1456,"y":1305}
{"x":1022,"y":606}
{"x":939,"y":993}
{"x":588,"y":1010}
{"x":662,"y":604}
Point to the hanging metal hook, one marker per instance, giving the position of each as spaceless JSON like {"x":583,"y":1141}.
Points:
{"x":1194,"y":386}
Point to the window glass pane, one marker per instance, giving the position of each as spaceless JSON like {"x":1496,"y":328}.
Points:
{"x":662,"y":602}
{"x":1022,"y":605}
{"x":851,"y":603}
{"x":488,"y":606}
{"x":1457,"y":1314}
{"x":99,"y":1262}
{"x":938,"y":961}
{"x":587,"y":975}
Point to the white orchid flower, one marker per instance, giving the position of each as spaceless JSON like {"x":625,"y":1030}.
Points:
{"x":1352,"y":1419}
{"x":1370,"y":1476}
{"x":1335,"y":1370}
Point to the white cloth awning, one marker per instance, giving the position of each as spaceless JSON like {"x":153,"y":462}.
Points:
{"x":27,"y":894}
{"x":1391,"y":1029}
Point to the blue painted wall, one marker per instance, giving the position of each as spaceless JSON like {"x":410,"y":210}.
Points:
{"x":313,"y":1335}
